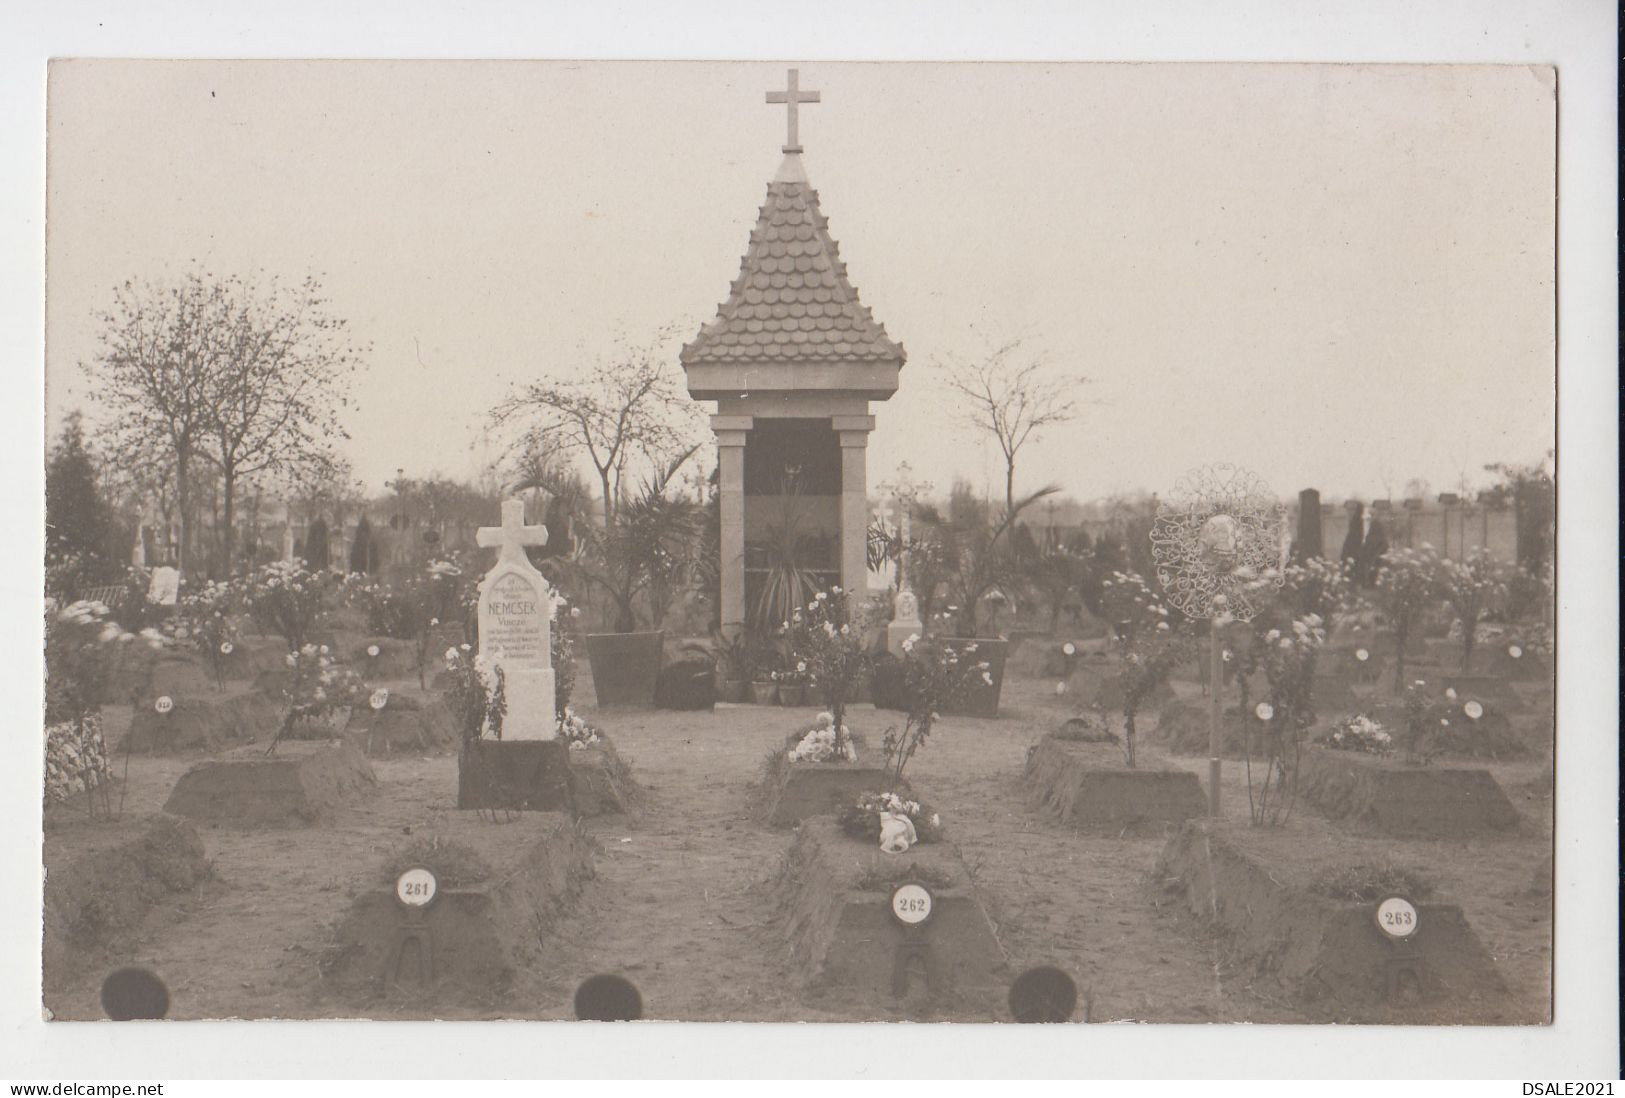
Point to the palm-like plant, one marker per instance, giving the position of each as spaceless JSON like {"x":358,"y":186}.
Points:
{"x":974,"y":555}
{"x":648,"y":550}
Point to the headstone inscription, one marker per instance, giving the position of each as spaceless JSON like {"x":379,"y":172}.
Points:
{"x":516,"y":617}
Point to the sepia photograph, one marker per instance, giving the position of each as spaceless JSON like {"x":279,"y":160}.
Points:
{"x":801,"y":540}
{"x":1092,"y":560}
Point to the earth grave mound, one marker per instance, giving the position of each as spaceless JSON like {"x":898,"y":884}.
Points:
{"x":1387,"y":797}
{"x":834,"y":898}
{"x":499,"y":893}
{"x":93,"y":900}
{"x":401,"y":725}
{"x":1088,"y":786}
{"x":302,"y":785}
{"x":1325,"y":952}
{"x":209,"y":722}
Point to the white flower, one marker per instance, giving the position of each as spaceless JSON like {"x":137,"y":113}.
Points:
{"x":801,"y":666}
{"x":908,"y":645}
{"x":821,"y":597}
{"x":1060,"y":688}
{"x":372,"y":649}
{"x":1451,"y":693}
{"x":451,"y":655}
{"x":575,"y":611}
{"x":225,"y":648}
{"x":936,"y":819}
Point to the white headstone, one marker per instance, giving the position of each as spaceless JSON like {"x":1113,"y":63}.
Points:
{"x":165,"y":586}
{"x":516,"y":620}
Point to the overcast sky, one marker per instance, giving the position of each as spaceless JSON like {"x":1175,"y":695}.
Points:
{"x":1338,"y":276}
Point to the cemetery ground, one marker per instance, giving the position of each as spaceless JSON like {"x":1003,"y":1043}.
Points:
{"x":682,"y":898}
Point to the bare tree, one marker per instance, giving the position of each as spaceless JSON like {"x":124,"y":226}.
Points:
{"x":630,"y":413}
{"x":284,"y":372}
{"x":156,"y":373}
{"x":209,"y":368}
{"x":1012,"y":396}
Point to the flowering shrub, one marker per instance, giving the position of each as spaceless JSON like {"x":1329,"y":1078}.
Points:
{"x":477,"y":696}
{"x":1472,"y":587}
{"x":1319,"y":587}
{"x":1149,"y":646}
{"x":576,"y":732}
{"x":411,"y":608}
{"x":863,"y":819}
{"x":81,"y":640}
{"x":936,"y":675}
{"x":207,"y":621}
{"x":822,"y":744}
{"x":1422,"y":715}
{"x":1288,"y":658}
{"x":287,"y":598}
{"x":829,"y":652}
{"x":316,"y":691}
{"x":1404,"y":591}
{"x":1360,"y":733}
{"x":563,"y":647}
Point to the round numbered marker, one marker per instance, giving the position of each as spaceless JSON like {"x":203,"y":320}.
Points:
{"x":225,"y":648}
{"x":379,"y":699}
{"x":1473,"y":710}
{"x":415,"y":887}
{"x":1515,"y":652}
{"x":911,"y":904}
{"x":1396,"y":917}
{"x":1265,"y":711}
{"x":1361,"y":654}
{"x":164,"y":704}
{"x":372,"y":650}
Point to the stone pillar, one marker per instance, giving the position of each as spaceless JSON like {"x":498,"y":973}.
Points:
{"x":731,"y":432}
{"x":854,"y":432}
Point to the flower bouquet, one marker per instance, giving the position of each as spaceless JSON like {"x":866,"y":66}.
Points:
{"x":821,"y":744}
{"x":576,"y":732}
{"x":1360,"y":733}
{"x":867,"y":819}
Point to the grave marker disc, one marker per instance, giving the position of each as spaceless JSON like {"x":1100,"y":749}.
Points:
{"x":164,"y":704}
{"x":380,"y":698}
{"x":1473,"y":710}
{"x":1361,"y":654}
{"x":912,"y":904}
{"x":1397,"y":918}
{"x":416,"y":887}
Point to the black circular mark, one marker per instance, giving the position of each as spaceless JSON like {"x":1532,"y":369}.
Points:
{"x":606,"y":998}
{"x":1043,"y":994}
{"x":132,"y":994}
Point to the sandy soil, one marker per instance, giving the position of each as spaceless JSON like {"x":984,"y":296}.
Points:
{"x":683,"y":906}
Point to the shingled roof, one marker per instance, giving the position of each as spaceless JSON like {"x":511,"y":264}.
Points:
{"x":792,"y":302}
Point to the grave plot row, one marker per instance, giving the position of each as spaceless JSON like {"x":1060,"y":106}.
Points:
{"x":1087,"y":785}
{"x":1329,"y":954}
{"x":1390,"y":797}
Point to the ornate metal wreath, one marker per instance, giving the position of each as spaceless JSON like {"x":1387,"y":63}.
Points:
{"x":1218,"y":543}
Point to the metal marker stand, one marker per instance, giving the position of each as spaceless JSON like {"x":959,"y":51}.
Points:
{"x":414,"y":930}
{"x":914,"y":946}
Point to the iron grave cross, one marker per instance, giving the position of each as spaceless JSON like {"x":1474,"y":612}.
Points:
{"x":793,"y":97}
{"x":513,"y":535}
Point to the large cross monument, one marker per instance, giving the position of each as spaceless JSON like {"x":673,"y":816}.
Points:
{"x":792,"y":360}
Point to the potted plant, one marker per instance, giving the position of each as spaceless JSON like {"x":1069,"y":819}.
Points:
{"x":735,"y":663}
{"x":791,"y":686}
{"x":764,"y":687}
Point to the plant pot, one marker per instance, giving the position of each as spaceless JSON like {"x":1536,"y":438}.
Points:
{"x":763,"y":693}
{"x":625,"y":667}
{"x":790,"y":694}
{"x":981,"y":699}
{"x":732,"y":690}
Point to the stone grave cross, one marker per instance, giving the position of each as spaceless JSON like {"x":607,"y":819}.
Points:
{"x":516,"y":618}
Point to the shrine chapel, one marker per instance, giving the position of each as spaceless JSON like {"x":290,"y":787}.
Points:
{"x":793,"y":360}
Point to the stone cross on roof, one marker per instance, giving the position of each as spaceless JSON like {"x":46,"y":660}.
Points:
{"x":793,"y":97}
{"x":513,"y":535}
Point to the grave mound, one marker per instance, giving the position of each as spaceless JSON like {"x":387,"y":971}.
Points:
{"x":1326,"y":953}
{"x":404,"y":726}
{"x":93,"y":900}
{"x":500,"y":892}
{"x":1110,"y":695}
{"x":396,"y":659}
{"x":300,"y":786}
{"x":202,"y":724}
{"x":1088,"y":786}
{"x":1486,"y":689}
{"x":518,"y":775}
{"x":1390,"y":798}
{"x":790,"y":792}
{"x":601,"y":783}
{"x":834,"y":896}
{"x":1182,"y":729}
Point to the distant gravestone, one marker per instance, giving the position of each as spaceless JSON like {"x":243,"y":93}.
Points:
{"x":1309,"y":540}
{"x":516,"y":617}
